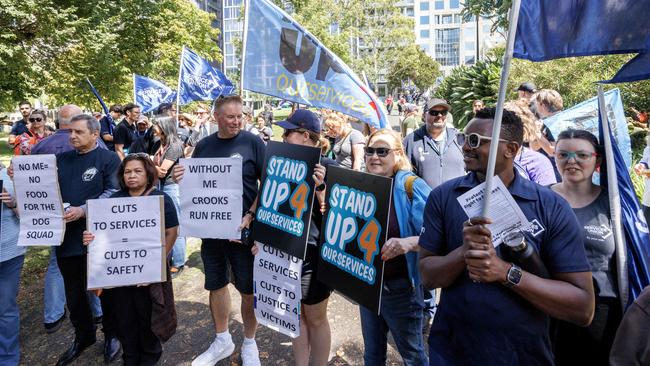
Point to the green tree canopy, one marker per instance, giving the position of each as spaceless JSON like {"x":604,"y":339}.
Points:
{"x":53,"y":45}
{"x":413,"y":64}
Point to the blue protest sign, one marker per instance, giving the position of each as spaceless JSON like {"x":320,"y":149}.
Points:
{"x":584,"y":116}
{"x":199,"y":80}
{"x":150,"y":93}
{"x":282,"y":59}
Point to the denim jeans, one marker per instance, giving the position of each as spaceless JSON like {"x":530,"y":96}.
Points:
{"x":9,"y":312}
{"x":401,"y":314}
{"x":178,"y":251}
{"x":54,"y":292}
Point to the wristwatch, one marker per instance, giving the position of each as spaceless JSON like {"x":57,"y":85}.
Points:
{"x":513,"y":277}
{"x":249,"y":212}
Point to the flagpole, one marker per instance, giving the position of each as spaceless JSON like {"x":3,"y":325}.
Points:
{"x":178,"y":87}
{"x":503,"y":84}
{"x":614,"y":202}
{"x":134,"y":99}
{"x":243,"y":49}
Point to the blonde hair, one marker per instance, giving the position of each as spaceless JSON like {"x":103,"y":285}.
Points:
{"x":521,"y":109}
{"x":189,"y":118}
{"x":337,"y":119}
{"x":550,"y":98}
{"x":395,"y":142}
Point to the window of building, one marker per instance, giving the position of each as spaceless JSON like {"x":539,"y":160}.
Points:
{"x":456,"y":18}
{"x":437,"y":19}
{"x":424,"y":33}
{"x":469,"y":60}
{"x":424,"y":19}
{"x":469,"y":46}
{"x":470,"y":19}
{"x":447,"y":44}
{"x":424,"y":6}
{"x":446,"y":19}
{"x":440,"y":4}
{"x":425,"y":48}
{"x":454,"y":4}
{"x":410,"y":12}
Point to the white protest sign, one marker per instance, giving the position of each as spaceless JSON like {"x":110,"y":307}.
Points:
{"x":39,"y":202}
{"x":276,"y":281}
{"x":211,"y":198}
{"x":129,"y":245}
{"x":503,"y":210}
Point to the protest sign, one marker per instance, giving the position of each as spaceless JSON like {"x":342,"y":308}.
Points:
{"x":503,"y":210}
{"x":276,"y":282}
{"x":129,"y":245}
{"x":38,"y":197}
{"x":353,"y":232}
{"x":211,"y":198}
{"x":286,"y":197}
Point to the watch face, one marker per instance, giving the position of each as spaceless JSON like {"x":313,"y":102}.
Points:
{"x":514,"y":275}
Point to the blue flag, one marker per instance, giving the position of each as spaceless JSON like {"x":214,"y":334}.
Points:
{"x":199,"y":80}
{"x":635,"y":229}
{"x":551,"y":29}
{"x":150,"y":93}
{"x":101,"y":102}
{"x":636,"y":69}
{"x":282,"y":59}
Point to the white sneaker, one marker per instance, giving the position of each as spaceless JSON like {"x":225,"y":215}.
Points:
{"x":218,"y":350}
{"x":250,"y":355}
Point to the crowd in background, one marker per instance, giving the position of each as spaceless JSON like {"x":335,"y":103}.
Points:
{"x":426,"y":154}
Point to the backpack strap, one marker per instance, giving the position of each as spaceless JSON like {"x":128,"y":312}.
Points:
{"x":408,"y":186}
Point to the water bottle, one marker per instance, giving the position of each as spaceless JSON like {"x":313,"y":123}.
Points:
{"x":523,"y":254}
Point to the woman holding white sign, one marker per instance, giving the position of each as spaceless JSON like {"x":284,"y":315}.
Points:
{"x":303,"y":128}
{"x":136,"y":305}
{"x":402,"y":299}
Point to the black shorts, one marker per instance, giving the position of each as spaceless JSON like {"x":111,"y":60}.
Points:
{"x":313,"y":291}
{"x":220,"y":258}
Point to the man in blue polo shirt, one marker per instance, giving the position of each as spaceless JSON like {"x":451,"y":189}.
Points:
{"x":87,"y":172}
{"x":491,"y":311}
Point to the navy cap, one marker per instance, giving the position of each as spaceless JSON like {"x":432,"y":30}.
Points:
{"x":301,"y":118}
{"x":527,"y":87}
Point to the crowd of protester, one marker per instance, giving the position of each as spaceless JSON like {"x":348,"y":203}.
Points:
{"x":489,"y":310}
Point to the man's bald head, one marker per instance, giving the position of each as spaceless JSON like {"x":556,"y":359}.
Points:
{"x":66,"y":113}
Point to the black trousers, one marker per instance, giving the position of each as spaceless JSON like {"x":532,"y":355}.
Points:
{"x":140,"y":346}
{"x":74,"y":274}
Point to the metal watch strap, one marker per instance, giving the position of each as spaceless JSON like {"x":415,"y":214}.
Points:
{"x":513,"y":269}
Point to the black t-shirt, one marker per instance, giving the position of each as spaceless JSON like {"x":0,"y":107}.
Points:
{"x":313,"y":238}
{"x":107,"y":127}
{"x":171,"y":219}
{"x":83,"y":177}
{"x":19,"y":128}
{"x":124,"y":134}
{"x":173,"y":153}
{"x":245,"y":145}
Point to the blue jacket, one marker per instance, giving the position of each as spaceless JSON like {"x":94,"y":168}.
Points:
{"x":410,"y":215}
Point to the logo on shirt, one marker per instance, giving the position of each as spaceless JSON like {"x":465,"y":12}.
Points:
{"x":236,"y":155}
{"x":89,"y":174}
{"x":597,"y":232}
{"x":535,"y":228}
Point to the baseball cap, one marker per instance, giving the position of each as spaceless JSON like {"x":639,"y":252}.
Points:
{"x":410,"y":107}
{"x":527,"y":87}
{"x":435,"y":102}
{"x":301,"y":118}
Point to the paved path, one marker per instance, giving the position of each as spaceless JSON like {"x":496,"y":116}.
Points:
{"x":195,"y":330}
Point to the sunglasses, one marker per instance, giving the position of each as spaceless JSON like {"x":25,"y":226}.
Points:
{"x":473,"y":140}
{"x":437,"y":113}
{"x":382,"y":152}
{"x":289,"y":132}
{"x":577,"y":155}
{"x":34,"y":119}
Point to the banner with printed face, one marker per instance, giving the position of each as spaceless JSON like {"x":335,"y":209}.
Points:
{"x":129,"y":245}
{"x":282,"y":59}
{"x":354,"y":230}
{"x":277,"y":290}
{"x":286,"y":197}
{"x":38,"y":197}
{"x":211,"y":198}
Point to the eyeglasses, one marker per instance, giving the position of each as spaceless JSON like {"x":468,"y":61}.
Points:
{"x":577,"y":155}
{"x":437,"y":113}
{"x":382,"y":152}
{"x":473,"y":140}
{"x":34,"y":119}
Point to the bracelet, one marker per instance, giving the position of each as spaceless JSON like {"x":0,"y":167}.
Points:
{"x":249,"y":212}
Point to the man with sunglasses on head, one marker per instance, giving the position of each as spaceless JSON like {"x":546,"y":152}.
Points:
{"x":492,"y":312}
{"x":432,"y":148}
